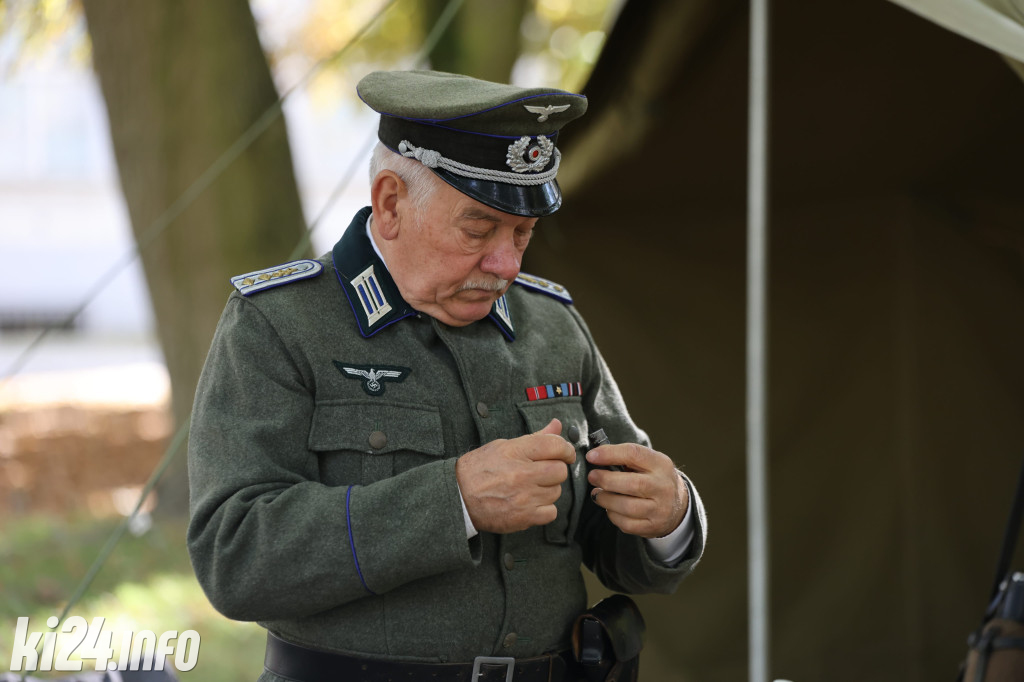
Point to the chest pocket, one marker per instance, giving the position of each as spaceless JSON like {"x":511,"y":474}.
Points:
{"x":569,"y":411}
{"x":364,"y":441}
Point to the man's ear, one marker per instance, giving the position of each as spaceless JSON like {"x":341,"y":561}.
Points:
{"x":385,"y":192}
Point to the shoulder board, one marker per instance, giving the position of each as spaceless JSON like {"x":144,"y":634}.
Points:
{"x":252,"y":282}
{"x":544,"y":286}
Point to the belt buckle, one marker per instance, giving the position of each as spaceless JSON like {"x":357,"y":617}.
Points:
{"x":507,"y":661}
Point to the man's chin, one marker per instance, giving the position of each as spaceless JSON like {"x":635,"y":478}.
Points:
{"x":473,"y":296}
{"x":469,"y":309}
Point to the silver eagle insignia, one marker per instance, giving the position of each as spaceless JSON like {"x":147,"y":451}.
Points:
{"x":545,"y":112}
{"x":373,"y":376}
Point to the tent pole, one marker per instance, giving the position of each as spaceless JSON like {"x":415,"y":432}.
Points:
{"x":757,"y":487}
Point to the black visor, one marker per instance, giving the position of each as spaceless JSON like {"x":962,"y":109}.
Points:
{"x":532,"y":201}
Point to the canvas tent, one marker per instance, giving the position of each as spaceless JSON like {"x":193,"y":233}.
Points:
{"x":896,"y":395}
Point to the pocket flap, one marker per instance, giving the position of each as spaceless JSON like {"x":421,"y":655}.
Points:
{"x":349,"y":425}
{"x":568,"y":410}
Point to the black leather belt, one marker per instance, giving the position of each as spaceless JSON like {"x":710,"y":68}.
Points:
{"x":297,"y":663}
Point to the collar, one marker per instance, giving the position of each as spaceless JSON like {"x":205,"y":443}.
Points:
{"x":373,"y":242}
{"x":372,"y":293}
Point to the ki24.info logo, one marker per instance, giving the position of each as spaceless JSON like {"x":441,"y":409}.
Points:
{"x":78,"y":640}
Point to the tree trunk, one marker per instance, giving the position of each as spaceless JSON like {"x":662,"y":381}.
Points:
{"x":483,"y":40}
{"x":182,"y":80}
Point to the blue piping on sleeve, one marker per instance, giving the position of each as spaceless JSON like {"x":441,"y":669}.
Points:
{"x":351,"y":542}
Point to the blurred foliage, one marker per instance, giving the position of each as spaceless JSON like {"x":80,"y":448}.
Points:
{"x":42,"y":558}
{"x":41,"y":30}
{"x":560,"y":39}
{"x":147,"y":584}
{"x":566,"y":37}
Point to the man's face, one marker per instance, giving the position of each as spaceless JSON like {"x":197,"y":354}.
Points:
{"x":455,"y":256}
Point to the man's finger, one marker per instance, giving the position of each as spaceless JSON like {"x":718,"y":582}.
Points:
{"x":550,"y":493}
{"x":625,"y":483}
{"x":550,"y":473}
{"x":548,"y":444}
{"x":626,"y":505}
{"x":554,"y":427}
{"x":633,"y":526}
{"x":629,"y":455}
{"x":548,"y":447}
{"x":544,"y":515}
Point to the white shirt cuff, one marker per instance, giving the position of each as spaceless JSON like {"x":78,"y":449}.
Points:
{"x":470,"y":528}
{"x":674,"y":546}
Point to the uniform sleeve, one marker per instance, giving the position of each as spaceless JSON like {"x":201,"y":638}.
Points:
{"x":621,"y":561}
{"x":267,"y":540}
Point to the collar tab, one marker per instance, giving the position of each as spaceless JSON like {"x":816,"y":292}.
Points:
{"x":502,"y":317}
{"x":371,"y":292}
{"x":370,"y":295}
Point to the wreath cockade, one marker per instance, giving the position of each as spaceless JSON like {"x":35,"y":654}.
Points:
{"x":522,"y":158}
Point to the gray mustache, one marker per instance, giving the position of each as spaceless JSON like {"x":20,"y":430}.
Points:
{"x":489,"y":285}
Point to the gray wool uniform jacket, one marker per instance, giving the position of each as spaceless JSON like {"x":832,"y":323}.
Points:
{"x":326,"y":427}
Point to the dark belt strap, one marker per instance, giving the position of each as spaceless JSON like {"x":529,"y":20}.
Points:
{"x":297,"y":663}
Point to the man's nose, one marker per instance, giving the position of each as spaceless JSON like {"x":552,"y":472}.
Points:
{"x":502,"y":261}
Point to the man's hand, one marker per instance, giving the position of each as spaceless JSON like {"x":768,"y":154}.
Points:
{"x":511,"y":485}
{"x":648,"y":498}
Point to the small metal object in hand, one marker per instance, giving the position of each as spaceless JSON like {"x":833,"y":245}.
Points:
{"x":597,"y":439}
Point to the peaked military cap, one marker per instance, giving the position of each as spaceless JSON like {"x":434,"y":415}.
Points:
{"x":492,"y":142}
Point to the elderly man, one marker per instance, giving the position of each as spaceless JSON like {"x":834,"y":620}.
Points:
{"x":389,"y":459}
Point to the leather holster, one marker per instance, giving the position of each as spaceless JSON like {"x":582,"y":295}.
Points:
{"x":607,"y":639}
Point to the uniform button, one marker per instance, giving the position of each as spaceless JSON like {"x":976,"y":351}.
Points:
{"x":510,"y":562}
{"x":481,"y":409}
{"x":378,"y":439}
{"x":510,"y":640}
{"x":573,"y":434}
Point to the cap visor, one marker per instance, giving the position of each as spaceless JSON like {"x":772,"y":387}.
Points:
{"x":532,"y":201}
